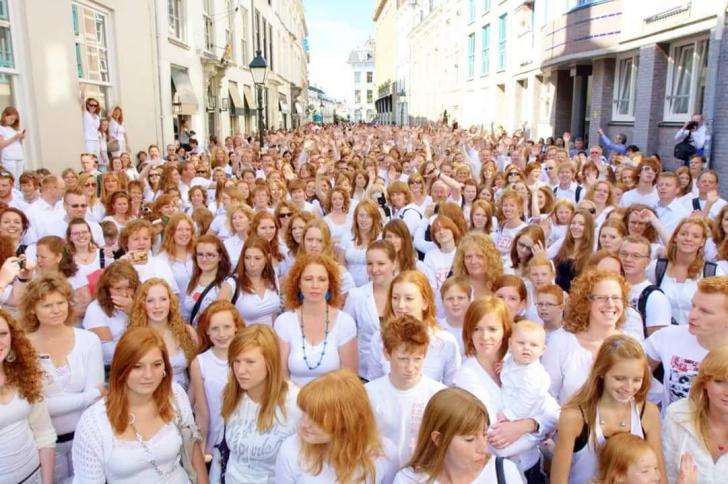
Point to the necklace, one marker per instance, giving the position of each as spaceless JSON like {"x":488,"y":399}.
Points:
{"x":326,"y":341}
{"x":622,"y":423}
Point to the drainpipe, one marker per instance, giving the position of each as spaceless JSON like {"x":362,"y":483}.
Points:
{"x":158,"y":92}
{"x":714,"y":48}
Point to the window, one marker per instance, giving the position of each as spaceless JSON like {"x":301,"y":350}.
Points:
{"x":625,"y":82}
{"x":92,"y":52}
{"x":485,"y":50}
{"x":370,"y":77}
{"x":176,"y":19}
{"x":471,"y":56}
{"x":357,"y":96}
{"x":7,"y":59}
{"x":208,"y":25}
{"x":244,"y":46}
{"x":502,"y":41}
{"x":357,"y":77}
{"x":686,"y":72}
{"x":270,"y":47}
{"x":370,"y":96}
{"x":471,"y":10}
{"x":486,"y":6}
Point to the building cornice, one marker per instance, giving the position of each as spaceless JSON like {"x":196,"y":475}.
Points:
{"x":378,"y":9}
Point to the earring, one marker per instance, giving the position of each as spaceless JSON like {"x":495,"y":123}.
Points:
{"x":300,"y":296}
{"x":11,"y":356}
{"x":328,"y":296}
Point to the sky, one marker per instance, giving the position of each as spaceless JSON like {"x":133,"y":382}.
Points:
{"x":335,"y":28}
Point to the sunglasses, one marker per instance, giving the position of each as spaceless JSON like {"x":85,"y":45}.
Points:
{"x":284,"y":214}
{"x":93,"y":105}
{"x":78,"y":205}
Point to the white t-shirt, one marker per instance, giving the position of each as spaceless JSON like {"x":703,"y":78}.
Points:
{"x":657,"y":309}
{"x":320,"y":359}
{"x":488,"y":476}
{"x":255,"y":309}
{"x":360,"y":305}
{"x":356,"y":260}
{"x":633,"y":196}
{"x":90,"y":126}
{"x":95,"y":317}
{"x":214,"y":372}
{"x":252,"y":452}
{"x":441,"y":362}
{"x":680,"y":355}
{"x":399,"y":412}
{"x":339,"y":231}
{"x":291,"y":469}
{"x":567,"y":363}
{"x":156,"y":267}
{"x":439,"y":265}
{"x":503,"y":238}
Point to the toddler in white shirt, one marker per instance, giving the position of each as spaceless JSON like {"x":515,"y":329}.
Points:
{"x":524,"y":381}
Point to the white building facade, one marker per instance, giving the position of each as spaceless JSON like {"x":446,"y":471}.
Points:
{"x":363,"y":91}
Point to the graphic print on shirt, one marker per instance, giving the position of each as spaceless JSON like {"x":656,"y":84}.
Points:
{"x":682,"y":373}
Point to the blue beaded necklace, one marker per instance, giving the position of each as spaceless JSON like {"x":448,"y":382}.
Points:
{"x":326,"y":341}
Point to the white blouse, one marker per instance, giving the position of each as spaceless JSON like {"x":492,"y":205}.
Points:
{"x":360,"y":305}
{"x":255,"y":309}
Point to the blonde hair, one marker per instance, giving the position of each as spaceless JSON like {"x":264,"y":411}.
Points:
{"x":484,"y":244}
{"x":38,"y":289}
{"x":713,"y":367}
{"x":339,"y":405}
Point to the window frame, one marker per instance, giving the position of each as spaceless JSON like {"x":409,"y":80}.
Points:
{"x":616,"y":95}
{"x":502,"y":61}
{"x":485,"y":50}
{"x":470,"y":73}
{"x":699,"y":60}
{"x":99,"y":88}
{"x":208,"y":26}
{"x":178,"y":31}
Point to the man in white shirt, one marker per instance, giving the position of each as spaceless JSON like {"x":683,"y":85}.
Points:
{"x":186,"y":174}
{"x":399,"y":398}
{"x":648,"y":300}
{"x":29,"y":184}
{"x":549,"y":173}
{"x":681,"y":348}
{"x":670,"y":209}
{"x":707,"y":200}
{"x":48,"y":206}
{"x":75,"y":204}
{"x":89,"y":164}
{"x":400,"y":199}
{"x":8,"y":195}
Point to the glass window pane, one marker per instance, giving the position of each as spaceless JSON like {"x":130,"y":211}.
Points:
{"x":6,"y":90}
{"x":6,"y":48}
{"x":4,"y":13}
{"x":682,"y":79}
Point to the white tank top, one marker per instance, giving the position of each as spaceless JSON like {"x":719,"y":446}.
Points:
{"x":584,"y":462}
{"x":214,"y":377}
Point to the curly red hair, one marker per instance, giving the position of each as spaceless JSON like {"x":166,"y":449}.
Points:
{"x":24,"y":372}
{"x":577,"y":317}
{"x":291,"y":287}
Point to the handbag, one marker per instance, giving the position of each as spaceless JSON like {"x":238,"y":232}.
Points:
{"x":190,"y":435}
{"x":113,"y":145}
{"x":685,"y":149}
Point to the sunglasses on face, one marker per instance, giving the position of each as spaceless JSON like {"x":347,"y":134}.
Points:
{"x":93,"y":105}
{"x":78,"y":205}
{"x":284,"y":214}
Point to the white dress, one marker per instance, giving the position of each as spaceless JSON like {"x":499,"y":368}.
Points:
{"x":214,"y":372}
{"x":320,"y":359}
{"x":487,"y":476}
{"x":360,"y":305}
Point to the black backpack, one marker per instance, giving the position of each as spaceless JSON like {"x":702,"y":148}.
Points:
{"x":642,"y":305}
{"x":577,"y":195}
{"x":684,"y":150}
{"x":661,"y":267}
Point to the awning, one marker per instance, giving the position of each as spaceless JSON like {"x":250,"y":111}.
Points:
{"x":238,"y":104}
{"x":283,"y":106}
{"x":183,"y":88}
{"x":249,"y":99}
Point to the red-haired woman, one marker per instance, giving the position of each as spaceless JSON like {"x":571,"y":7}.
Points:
{"x":337,"y":439}
{"x":258,"y":407}
{"x":156,"y":307}
{"x":70,"y":357}
{"x":208,"y":371}
{"x":316,"y":337}
{"x":211,"y":267}
{"x":137,"y":433}
{"x":366,"y":228}
{"x":11,"y":142}
{"x":253,"y":287}
{"x":27,"y":436}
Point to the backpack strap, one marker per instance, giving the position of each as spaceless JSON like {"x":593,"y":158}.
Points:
{"x":709,"y":269}
{"x":642,"y":304}
{"x":102,"y":258}
{"x":400,"y":215}
{"x":660,"y":270}
{"x":197,"y":305}
{"x":555,"y":188}
{"x":577,"y":196}
{"x":696,"y":203}
{"x":236,"y":293}
{"x":21,"y":250}
{"x":500,"y":473}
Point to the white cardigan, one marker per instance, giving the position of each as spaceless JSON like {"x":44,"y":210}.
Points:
{"x":679,"y":436}
{"x":94,"y":438}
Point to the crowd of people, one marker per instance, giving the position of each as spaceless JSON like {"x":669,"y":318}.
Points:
{"x":362,"y":303}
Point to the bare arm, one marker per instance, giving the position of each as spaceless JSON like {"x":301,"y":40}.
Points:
{"x":651,"y":424}
{"x":570,"y":425}
{"x":198,"y":400}
{"x":198,"y":462}
{"x":349,"y":356}
{"x":47,"y":457}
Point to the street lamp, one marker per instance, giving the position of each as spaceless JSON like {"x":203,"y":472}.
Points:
{"x":258,"y":69}
{"x":321,"y":107}
{"x":402,"y":96}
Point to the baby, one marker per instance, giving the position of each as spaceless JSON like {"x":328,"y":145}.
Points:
{"x":524,"y":381}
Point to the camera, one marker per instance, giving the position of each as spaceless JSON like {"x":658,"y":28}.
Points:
{"x":691,"y":125}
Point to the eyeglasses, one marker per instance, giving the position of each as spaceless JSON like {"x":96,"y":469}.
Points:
{"x":77,"y":234}
{"x":648,"y":169}
{"x":547,"y":305}
{"x":603,"y":299}
{"x":206,"y":255}
{"x":513,"y":173}
{"x":284,"y":214}
{"x":92,"y":105}
{"x":595,"y":153}
{"x":78,"y":205}
{"x":154,"y":174}
{"x":200,"y":172}
{"x":89,"y":185}
{"x":631,"y":255}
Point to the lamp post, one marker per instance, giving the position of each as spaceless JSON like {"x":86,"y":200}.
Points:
{"x":402,"y":96}
{"x":258,"y":69}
